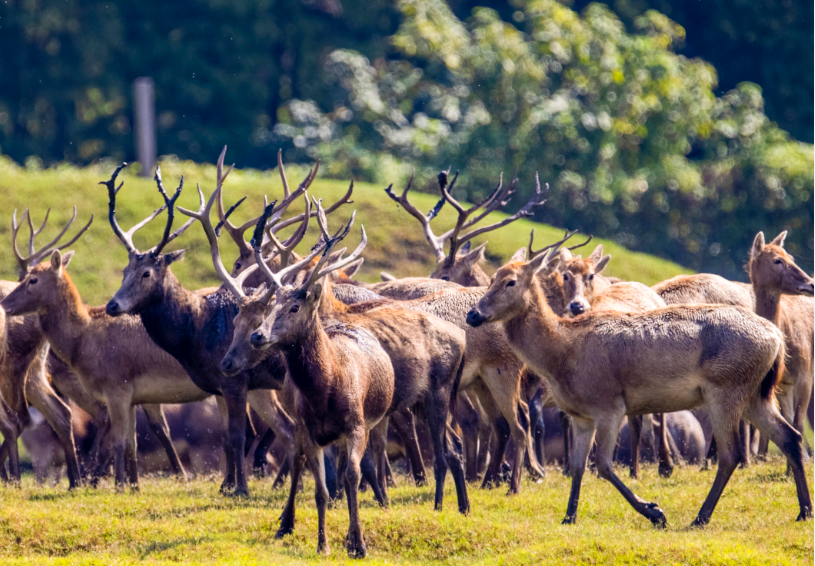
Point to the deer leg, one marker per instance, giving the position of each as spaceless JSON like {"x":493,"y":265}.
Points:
{"x":666,"y":463}
{"x":467,"y":418}
{"x":58,"y":414}
{"x":235,"y":397}
{"x":801,"y":395}
{"x":355,"y":445}
{"x":158,"y":425}
{"x":119,"y":408}
{"x":566,"y":427}
{"x":729,"y":448}
{"x":608,"y":427}
{"x":368,"y":475}
{"x":538,"y":427}
{"x":229,"y":479}
{"x":316,"y":461}
{"x":583,"y":439}
{"x":268,"y":407}
{"x":9,"y":449}
{"x":764,"y":414}
{"x":405,"y":425}
{"x":284,"y":470}
{"x":485,"y":435}
{"x":259,"y":460}
{"x":635,"y":432}
{"x":101,"y":449}
{"x":377,"y":439}
{"x":131,"y":460}
{"x":298,"y":460}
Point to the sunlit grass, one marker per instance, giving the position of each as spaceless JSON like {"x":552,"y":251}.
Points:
{"x":168,"y":522}
{"x":395,"y":240}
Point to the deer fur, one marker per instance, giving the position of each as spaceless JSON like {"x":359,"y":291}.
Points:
{"x":601,"y":367}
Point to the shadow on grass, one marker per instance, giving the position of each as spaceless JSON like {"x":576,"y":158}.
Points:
{"x":157,"y":547}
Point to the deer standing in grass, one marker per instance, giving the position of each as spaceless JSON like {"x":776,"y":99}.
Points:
{"x":426,"y":352}
{"x":606,"y":365}
{"x":584,"y":289}
{"x":344,"y":387}
{"x":195,"y":330}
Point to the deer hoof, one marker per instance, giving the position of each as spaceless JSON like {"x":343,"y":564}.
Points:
{"x":284,"y":530}
{"x":241,"y":492}
{"x":569,"y":520}
{"x":665,"y":471}
{"x":355,"y":544}
{"x":804,"y":515}
{"x":658,"y":519}
{"x":699,"y":522}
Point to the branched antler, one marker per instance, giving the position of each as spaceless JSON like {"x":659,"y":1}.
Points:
{"x":554,"y":247}
{"x":436,"y":243}
{"x":24,"y":264}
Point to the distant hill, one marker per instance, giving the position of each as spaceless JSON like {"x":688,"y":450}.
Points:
{"x":395,"y":241}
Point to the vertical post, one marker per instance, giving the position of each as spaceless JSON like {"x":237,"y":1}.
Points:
{"x":144,"y":110}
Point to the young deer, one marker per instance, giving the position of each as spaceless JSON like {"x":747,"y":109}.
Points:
{"x":344,"y":384}
{"x":783,"y":294}
{"x":22,"y":373}
{"x":583,"y":290}
{"x":195,"y":329}
{"x":425,"y":352}
{"x":603,"y":366}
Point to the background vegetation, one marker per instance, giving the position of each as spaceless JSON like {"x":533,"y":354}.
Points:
{"x":641,"y":144}
{"x":170,"y":523}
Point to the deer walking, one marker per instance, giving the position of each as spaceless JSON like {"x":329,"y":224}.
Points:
{"x":603,"y":366}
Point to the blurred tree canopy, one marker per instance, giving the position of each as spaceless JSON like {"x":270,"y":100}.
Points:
{"x":630,"y":134}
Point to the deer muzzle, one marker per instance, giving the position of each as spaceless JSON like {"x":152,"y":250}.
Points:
{"x":475,"y":318}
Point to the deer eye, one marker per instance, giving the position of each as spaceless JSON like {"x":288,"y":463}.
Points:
{"x":510,"y":283}
{"x":591,"y":277}
{"x":146,"y":274}
{"x":565,"y":276}
{"x":237,"y":265}
{"x":32,"y":281}
{"x":295,"y":308}
{"x":445,"y":278}
{"x":777,"y":262}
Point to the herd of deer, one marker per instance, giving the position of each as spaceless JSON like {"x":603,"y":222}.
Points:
{"x":328,"y":362}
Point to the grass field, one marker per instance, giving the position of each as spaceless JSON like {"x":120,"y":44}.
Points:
{"x":167,"y":522}
{"x":395,"y":240}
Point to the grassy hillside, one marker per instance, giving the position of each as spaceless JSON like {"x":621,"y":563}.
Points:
{"x":167,"y":522}
{"x":396,"y":243}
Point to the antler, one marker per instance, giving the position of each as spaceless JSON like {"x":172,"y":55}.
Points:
{"x":169,"y":203}
{"x":237,"y":232}
{"x":234,"y":284}
{"x":345,"y":199}
{"x":436,"y":242}
{"x":34,"y":257}
{"x":285,"y":249}
{"x":497,"y":199}
{"x":555,"y":247}
{"x":113,"y":190}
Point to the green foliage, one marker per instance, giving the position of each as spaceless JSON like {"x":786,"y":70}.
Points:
{"x":631,"y":136}
{"x":395,"y":240}
{"x":169,"y":522}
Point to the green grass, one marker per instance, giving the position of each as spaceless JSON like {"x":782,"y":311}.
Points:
{"x":396,"y":243}
{"x":167,"y":522}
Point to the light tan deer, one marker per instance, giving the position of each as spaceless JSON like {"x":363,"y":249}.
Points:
{"x":584,"y":289}
{"x":344,"y":385}
{"x":783,"y":294}
{"x":603,"y":366}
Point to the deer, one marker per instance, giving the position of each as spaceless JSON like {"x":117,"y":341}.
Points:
{"x":23,"y":378}
{"x":426,"y":353}
{"x":601,"y":366}
{"x":342,"y":384}
{"x":584,"y":289}
{"x":192,"y":327}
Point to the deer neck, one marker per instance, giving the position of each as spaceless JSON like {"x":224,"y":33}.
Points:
{"x":66,"y":318}
{"x":309,"y":360}
{"x":767,"y":303}
{"x":329,"y":304}
{"x":536,"y":333}
{"x":170,"y":316}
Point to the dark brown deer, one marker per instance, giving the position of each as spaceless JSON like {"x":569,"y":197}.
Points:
{"x":425,"y":352}
{"x":343,"y":384}
{"x":603,"y":366}
{"x":195,"y":330}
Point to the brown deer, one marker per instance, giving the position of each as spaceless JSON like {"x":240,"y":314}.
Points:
{"x":194,"y":329}
{"x":343,"y":386}
{"x":114,"y":358}
{"x":602,"y":366}
{"x":584,"y":289}
{"x":22,"y":373}
{"x":783,"y":295}
{"x":425,"y":352}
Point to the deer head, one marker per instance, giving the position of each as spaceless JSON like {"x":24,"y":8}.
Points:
{"x":459,"y":264}
{"x":774,"y":270}
{"x":145,"y":275}
{"x":296,"y":307}
{"x":36,"y":291}
{"x":576,"y":278}
{"x":509,"y":292}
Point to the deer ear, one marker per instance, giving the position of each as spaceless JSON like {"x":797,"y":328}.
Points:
{"x":475,"y":256}
{"x":387,"y":276}
{"x":597,"y":254}
{"x":565,"y":255}
{"x":465,"y":249}
{"x":601,"y":265}
{"x":56,"y":261}
{"x":173,"y":257}
{"x":536,"y":265}
{"x":779,"y":240}
{"x":352,"y":268}
{"x":552,"y":266}
{"x":314,"y":294}
{"x":520,"y":255}
{"x":758,"y":244}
